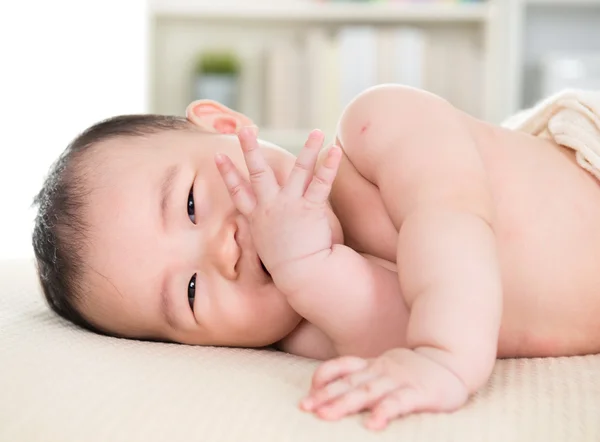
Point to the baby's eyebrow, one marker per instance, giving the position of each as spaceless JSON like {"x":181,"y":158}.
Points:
{"x":166,"y":188}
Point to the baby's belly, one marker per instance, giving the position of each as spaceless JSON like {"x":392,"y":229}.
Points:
{"x":548,"y":231}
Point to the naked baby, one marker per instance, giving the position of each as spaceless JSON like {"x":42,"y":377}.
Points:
{"x":409,"y":255}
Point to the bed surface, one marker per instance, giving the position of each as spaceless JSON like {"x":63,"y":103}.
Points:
{"x":59,"y":383}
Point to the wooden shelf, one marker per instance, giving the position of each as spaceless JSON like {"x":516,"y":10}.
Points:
{"x":323,"y":12}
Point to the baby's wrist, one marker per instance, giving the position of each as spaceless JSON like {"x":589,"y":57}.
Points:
{"x":300,"y":275}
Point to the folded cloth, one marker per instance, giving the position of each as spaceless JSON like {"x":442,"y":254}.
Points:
{"x":572,"y":119}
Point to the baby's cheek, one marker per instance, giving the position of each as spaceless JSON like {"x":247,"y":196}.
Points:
{"x":204,"y":198}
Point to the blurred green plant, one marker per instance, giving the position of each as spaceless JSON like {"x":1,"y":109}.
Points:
{"x":218,"y":62}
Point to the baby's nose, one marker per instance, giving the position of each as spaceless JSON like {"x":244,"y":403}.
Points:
{"x":224,"y":251}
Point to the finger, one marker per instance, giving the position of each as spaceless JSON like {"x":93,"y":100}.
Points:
{"x":336,"y":389}
{"x":262,"y":178}
{"x":359,"y":398}
{"x":336,"y":368}
{"x":319,"y":188}
{"x":304,"y":168}
{"x":239,"y":189}
{"x":400,"y":402}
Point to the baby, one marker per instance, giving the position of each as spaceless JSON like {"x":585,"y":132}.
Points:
{"x":410,"y":255}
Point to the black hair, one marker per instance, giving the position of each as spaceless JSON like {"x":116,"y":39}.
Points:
{"x":60,"y":231}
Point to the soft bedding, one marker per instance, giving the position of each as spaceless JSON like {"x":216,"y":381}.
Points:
{"x":59,"y":383}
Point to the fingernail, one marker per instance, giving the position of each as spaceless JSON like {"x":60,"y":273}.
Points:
{"x":219,"y":158}
{"x":317,"y":133}
{"x":375,"y":424}
{"x":252,"y":129}
{"x":307,"y":403}
{"x":329,"y":414}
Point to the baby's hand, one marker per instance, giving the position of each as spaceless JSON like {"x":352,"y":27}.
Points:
{"x":396,"y":383}
{"x":289,"y":224}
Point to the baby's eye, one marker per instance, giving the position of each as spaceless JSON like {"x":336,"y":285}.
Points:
{"x":190,"y":206}
{"x":192,"y":291}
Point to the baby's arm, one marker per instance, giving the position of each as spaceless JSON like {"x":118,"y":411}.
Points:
{"x":309,"y":341}
{"x":354,"y":301}
{"x":349,"y":298}
{"x":418,"y":151}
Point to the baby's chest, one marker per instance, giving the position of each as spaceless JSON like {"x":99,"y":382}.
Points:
{"x":358,"y":205}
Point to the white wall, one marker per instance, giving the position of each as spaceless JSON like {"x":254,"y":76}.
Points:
{"x":66,"y":64}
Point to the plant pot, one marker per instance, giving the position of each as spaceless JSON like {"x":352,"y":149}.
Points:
{"x":218,"y":87}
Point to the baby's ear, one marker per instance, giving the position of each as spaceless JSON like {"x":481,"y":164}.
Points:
{"x":215,"y":117}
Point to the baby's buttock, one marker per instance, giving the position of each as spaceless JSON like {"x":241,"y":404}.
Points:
{"x":547,"y":224}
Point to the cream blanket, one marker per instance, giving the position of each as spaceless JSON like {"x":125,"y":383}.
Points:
{"x":62,"y":384}
{"x":572,"y":119}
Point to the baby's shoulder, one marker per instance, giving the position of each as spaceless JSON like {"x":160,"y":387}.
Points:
{"x":386,"y":115}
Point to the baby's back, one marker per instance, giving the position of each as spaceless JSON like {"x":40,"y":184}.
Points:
{"x":548,"y":230}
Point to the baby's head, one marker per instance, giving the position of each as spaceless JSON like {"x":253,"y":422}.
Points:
{"x":136,"y":235}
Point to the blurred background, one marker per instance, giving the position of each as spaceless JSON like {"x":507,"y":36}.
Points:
{"x":291,"y":65}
